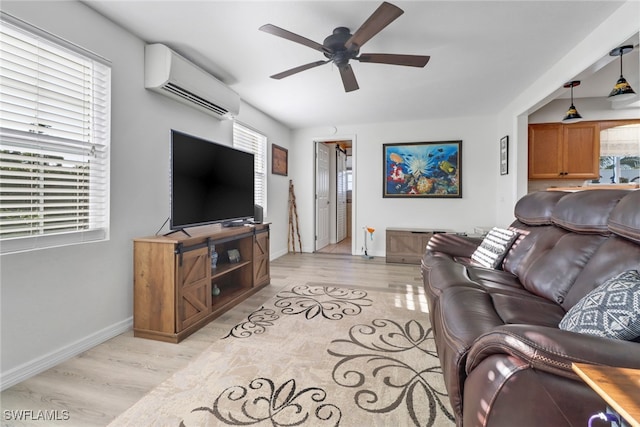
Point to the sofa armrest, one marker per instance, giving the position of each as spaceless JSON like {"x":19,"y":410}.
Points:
{"x":553,"y":350}
{"x":453,"y":244}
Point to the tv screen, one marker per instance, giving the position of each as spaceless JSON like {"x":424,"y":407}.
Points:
{"x":210,"y":182}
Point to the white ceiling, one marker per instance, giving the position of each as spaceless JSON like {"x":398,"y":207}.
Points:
{"x":482,"y":52}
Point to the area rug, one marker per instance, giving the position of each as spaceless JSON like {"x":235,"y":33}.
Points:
{"x":313,"y":355}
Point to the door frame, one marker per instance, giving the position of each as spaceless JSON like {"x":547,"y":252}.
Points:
{"x":322,"y":230}
{"x":354,"y":204}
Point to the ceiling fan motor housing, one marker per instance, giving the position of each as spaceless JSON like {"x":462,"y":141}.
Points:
{"x":335,"y":45}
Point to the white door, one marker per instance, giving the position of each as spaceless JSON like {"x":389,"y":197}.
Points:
{"x":322,"y":195}
{"x":341,"y":195}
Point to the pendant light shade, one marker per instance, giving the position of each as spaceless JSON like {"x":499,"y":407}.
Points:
{"x":572,"y":114}
{"x":622,"y":90}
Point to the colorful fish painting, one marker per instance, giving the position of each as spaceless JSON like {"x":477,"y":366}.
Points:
{"x":423,"y":169}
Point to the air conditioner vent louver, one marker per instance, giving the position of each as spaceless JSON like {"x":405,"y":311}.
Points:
{"x":172,"y":75}
{"x":192,"y":97}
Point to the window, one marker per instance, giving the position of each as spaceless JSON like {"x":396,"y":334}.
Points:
{"x":54,"y":140}
{"x":620,"y":154}
{"x":256,"y":143}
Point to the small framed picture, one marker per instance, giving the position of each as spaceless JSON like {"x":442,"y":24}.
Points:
{"x":504,"y":155}
{"x":234,"y":255}
{"x":279,"y":160}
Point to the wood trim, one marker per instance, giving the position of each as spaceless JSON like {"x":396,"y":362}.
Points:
{"x":619,"y":387}
{"x":606,"y":124}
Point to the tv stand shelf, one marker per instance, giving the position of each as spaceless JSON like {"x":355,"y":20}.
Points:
{"x":224,"y":269}
{"x":174,"y":278}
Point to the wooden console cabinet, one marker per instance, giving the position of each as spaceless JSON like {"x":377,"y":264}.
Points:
{"x":407,"y":245}
{"x":174,"y":278}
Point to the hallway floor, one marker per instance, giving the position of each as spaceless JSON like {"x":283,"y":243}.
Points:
{"x":342,"y":248}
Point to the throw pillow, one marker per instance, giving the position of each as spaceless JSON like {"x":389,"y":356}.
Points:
{"x":611,"y":310}
{"x":494,"y":247}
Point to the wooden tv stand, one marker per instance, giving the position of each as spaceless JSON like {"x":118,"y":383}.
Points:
{"x":173,"y":278}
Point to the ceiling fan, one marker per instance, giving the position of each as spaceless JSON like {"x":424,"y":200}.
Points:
{"x":342,"y":46}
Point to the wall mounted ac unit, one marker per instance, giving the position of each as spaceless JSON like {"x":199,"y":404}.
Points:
{"x":172,"y":75}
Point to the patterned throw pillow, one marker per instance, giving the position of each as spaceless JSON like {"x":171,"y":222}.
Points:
{"x":611,"y":310}
{"x":494,"y":247}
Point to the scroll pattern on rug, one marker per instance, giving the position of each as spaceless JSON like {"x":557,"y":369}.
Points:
{"x":257,"y":323}
{"x":262,"y":402}
{"x":329,"y":302}
{"x":390,"y":364}
{"x":391,"y":367}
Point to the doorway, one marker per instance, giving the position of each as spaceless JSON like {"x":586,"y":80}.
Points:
{"x":334,"y":196}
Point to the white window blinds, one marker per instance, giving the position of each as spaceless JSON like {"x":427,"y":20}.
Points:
{"x":54,"y":140}
{"x":254,"y":142}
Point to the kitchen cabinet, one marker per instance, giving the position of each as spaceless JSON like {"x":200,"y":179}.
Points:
{"x":564,"y":151}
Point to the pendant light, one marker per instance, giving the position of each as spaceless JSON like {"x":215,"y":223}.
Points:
{"x":572,"y":114}
{"x":622,"y":90}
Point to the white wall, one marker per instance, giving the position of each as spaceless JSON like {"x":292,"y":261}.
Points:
{"x":277,"y":185}
{"x":589,"y":109}
{"x":57,"y":302}
{"x":479,"y":173}
{"x":513,"y":120}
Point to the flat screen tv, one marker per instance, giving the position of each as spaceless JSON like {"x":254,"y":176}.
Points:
{"x":210,"y":182}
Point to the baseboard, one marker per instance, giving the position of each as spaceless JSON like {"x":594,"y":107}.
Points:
{"x":275,"y":255}
{"x":41,"y":364}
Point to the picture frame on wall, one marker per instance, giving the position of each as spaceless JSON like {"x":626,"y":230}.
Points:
{"x":279,"y":160}
{"x":422,"y":169}
{"x":504,"y":155}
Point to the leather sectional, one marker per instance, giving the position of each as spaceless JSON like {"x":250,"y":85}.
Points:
{"x":505,"y":360}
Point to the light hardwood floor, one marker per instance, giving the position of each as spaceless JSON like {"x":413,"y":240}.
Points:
{"x":94,"y":387}
{"x":343,"y":247}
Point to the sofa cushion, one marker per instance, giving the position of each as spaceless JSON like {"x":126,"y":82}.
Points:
{"x":587,"y":211}
{"x":554,"y":260}
{"x":616,"y":255}
{"x":624,"y":219}
{"x":612,"y":310}
{"x":536,"y":208}
{"x":494,"y":247}
{"x":520,"y":255}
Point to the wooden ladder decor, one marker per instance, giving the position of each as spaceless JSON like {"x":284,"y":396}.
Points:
{"x":293,"y":216}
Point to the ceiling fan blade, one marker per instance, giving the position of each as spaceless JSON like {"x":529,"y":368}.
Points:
{"x":348,"y":78}
{"x":277,"y":31}
{"x":385,"y":14}
{"x":393,"y":59}
{"x":297,"y":70}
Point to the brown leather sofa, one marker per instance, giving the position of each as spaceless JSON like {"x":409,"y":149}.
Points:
{"x":505,"y":360}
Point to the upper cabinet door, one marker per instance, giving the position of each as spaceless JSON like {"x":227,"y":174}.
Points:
{"x":545,"y":151}
{"x":581,"y":155}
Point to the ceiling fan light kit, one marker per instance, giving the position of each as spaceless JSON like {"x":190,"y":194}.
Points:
{"x":572,"y":114}
{"x":342,"y":46}
{"x":622,"y":89}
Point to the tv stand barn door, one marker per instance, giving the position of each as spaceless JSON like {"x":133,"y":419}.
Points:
{"x":193,"y":287}
{"x":174,"y":280}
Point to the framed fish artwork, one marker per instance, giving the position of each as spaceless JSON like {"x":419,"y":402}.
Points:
{"x":422,"y":169}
